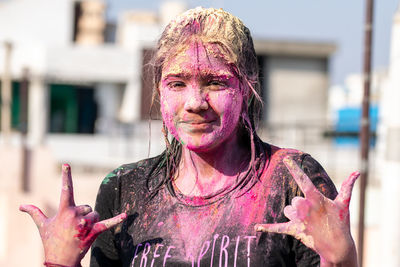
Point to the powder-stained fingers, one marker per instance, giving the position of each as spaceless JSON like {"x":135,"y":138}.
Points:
{"x":297,"y":201}
{"x":302,"y":180}
{"x":36,"y":214}
{"x":102,"y":226}
{"x":86,"y":224}
{"x":344,"y":195}
{"x":92,"y":218}
{"x":290,"y":213}
{"x":83,"y":210}
{"x":82,"y":223}
{"x":67,"y":190}
{"x":82,"y":229}
{"x":288,"y":228}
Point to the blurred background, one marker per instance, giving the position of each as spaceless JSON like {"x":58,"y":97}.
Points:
{"x":76,"y":88}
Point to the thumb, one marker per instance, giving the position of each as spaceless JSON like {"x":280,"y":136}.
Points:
{"x":102,"y":226}
{"x":344,"y":195}
{"x":288,"y":228}
{"x":109,"y":223}
{"x":37,"y":215}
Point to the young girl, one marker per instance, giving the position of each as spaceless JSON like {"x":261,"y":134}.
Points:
{"x":218,"y":195}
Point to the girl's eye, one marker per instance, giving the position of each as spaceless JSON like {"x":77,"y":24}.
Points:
{"x":176,"y":85}
{"x":216,"y":85}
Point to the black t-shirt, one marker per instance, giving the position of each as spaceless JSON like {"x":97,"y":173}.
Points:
{"x":168,"y":230}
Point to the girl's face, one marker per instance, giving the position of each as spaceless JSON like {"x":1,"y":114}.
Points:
{"x":201,"y":100}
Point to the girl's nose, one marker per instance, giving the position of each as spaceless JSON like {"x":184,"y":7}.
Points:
{"x":196,"y":101}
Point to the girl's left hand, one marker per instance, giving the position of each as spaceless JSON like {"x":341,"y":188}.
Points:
{"x":320,"y":223}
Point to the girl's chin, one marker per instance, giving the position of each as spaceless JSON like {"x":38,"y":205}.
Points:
{"x":198,"y":148}
{"x":200,"y":145}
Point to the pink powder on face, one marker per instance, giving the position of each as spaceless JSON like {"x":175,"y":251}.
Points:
{"x":201,"y":100}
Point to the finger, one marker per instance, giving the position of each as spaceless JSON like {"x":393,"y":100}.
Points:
{"x":83,"y":210}
{"x":92,"y":218}
{"x":305,"y":184}
{"x":36,"y":214}
{"x":289,"y":228}
{"x":102,"y":226}
{"x":82,"y":223}
{"x":86,"y":223}
{"x":298,"y":201}
{"x":82,"y":229}
{"x":344,"y":195}
{"x":67,"y":191}
{"x":290,"y":213}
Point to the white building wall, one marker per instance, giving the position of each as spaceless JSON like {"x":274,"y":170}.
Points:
{"x":293,"y":82}
{"x":390,"y":156}
{"x":31,"y":21}
{"x":131,"y":34}
{"x":31,"y":26}
{"x":104,"y":63}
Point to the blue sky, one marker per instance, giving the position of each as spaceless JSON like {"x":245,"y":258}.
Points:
{"x":337,"y":21}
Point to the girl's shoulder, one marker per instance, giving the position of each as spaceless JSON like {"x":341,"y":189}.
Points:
{"x":277,"y":171}
{"x":136,"y":172}
{"x":276,"y":154}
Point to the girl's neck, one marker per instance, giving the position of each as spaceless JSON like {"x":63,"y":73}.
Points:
{"x":204,"y":173}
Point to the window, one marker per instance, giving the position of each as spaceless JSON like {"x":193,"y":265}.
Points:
{"x":73,"y":109}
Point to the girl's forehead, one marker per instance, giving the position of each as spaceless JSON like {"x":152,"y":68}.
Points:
{"x":197,"y":56}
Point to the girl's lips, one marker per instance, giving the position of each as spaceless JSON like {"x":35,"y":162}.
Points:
{"x":197,"y":121}
{"x":197,"y":125}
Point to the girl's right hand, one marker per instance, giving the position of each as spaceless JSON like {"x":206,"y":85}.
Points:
{"x":68,"y":235}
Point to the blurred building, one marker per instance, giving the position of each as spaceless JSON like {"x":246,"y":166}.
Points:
{"x":89,"y":100}
{"x":389,"y":153}
{"x":345,"y":107}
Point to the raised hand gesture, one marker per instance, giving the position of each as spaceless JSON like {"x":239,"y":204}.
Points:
{"x":67,"y":236}
{"x":320,"y":223}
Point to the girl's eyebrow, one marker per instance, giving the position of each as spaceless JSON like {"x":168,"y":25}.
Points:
{"x":219,"y":75}
{"x":204,"y":74}
{"x":223,"y":76}
{"x":181,"y":75}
